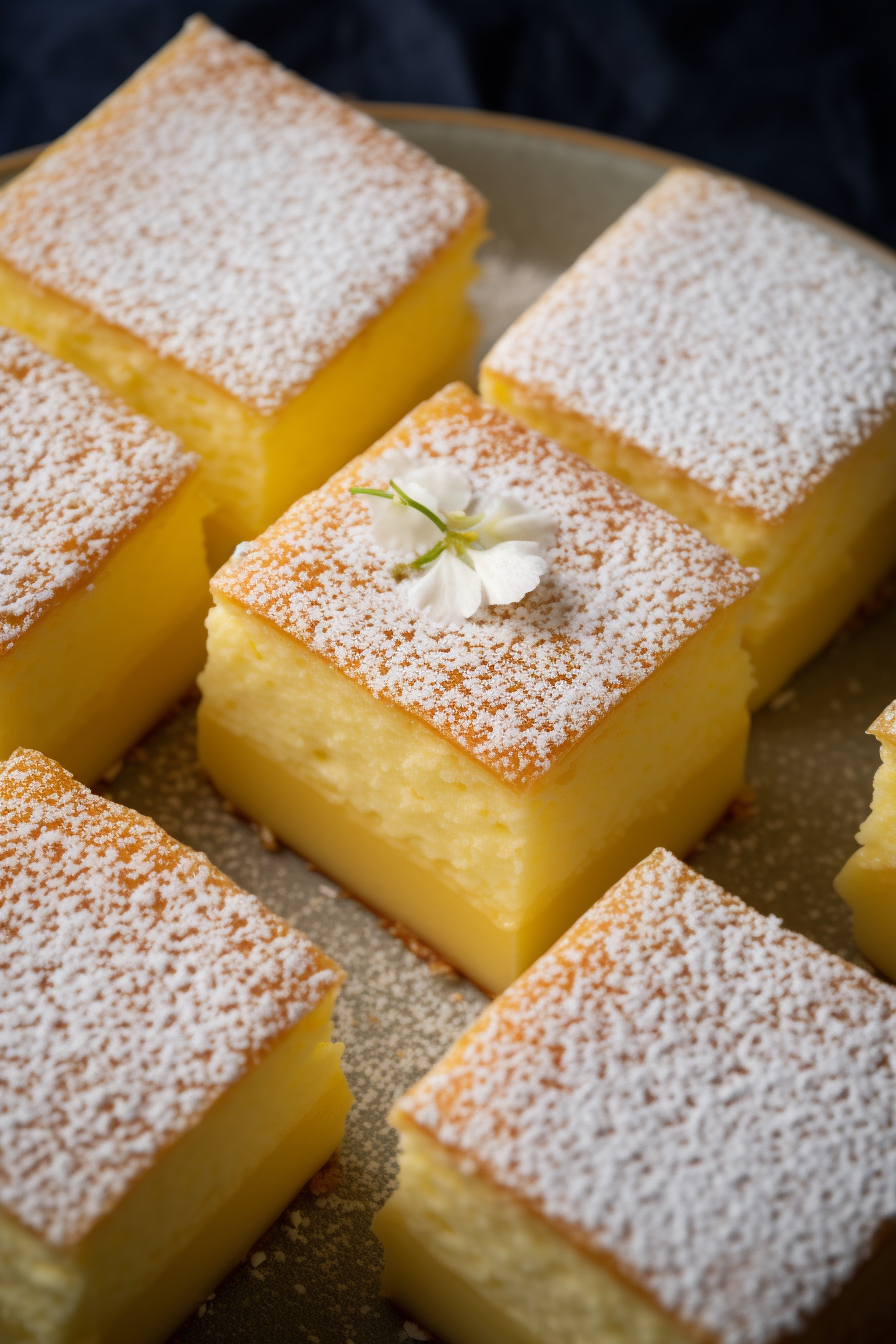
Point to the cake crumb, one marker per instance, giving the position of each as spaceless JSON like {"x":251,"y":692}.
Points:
{"x":743,"y":805}
{"x":414,"y":1331}
{"x":266,"y":836}
{"x":325,"y":1181}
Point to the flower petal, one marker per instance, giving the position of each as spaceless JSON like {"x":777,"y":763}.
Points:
{"x":508,"y":519}
{"x":446,"y":483}
{"x":399,"y":529}
{"x":449,"y":485}
{"x":509,"y":570}
{"x":448,"y":592}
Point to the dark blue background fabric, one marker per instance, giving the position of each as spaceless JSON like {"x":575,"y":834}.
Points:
{"x":798,"y":94}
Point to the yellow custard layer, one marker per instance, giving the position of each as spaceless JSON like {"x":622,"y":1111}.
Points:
{"x":490,"y":874}
{"x":816,"y":563}
{"x":94,"y":673}
{"x":255,"y":465}
{"x":139,"y":1272}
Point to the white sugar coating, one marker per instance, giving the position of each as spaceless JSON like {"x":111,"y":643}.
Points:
{"x":514,"y":686}
{"x":885,"y":723}
{"x":137,"y":984}
{"x":233,"y":217}
{"x":739,"y":345}
{"x":78,"y":473}
{"x":689,"y":1089}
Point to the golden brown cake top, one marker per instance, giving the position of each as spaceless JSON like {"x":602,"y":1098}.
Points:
{"x":516,"y":685}
{"x":233,"y":217}
{"x":884,"y":726}
{"x":137,"y":984}
{"x":79,"y":472}
{"x":693,"y":1094}
{"x":740,"y":346}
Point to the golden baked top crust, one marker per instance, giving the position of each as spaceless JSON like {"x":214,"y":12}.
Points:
{"x":738,"y":345}
{"x":516,"y":686}
{"x":885,"y":724}
{"x":79,"y":472}
{"x":137,"y":984}
{"x":233,"y":217}
{"x":691,"y":1093}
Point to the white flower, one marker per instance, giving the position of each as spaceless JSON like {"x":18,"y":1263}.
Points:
{"x":493,"y":554}
{"x":448,"y":592}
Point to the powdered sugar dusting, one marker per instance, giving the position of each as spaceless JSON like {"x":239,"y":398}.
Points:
{"x":138,"y":983}
{"x":739,"y":345}
{"x":516,"y":685}
{"x":688,"y":1089}
{"x":233,"y":217}
{"x":885,"y":723}
{"x":78,"y":473}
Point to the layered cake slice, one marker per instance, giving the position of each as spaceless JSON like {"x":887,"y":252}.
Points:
{"x":167,"y":1081}
{"x":867,"y":881}
{"x":736,"y":366}
{"x":679,"y":1125}
{"x":103,"y":579}
{"x":479,"y":741}
{"x":247,"y":260}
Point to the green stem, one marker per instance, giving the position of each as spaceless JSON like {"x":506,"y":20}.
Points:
{"x":421,"y":508}
{"x":432,"y":554}
{"x":365,"y":490}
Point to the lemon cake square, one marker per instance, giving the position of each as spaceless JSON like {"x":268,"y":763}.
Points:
{"x":679,"y":1125}
{"x":480,"y":748}
{"x":736,"y":366}
{"x":867,"y":881}
{"x":167,"y":1080}
{"x":249,"y":261}
{"x":103,"y":578}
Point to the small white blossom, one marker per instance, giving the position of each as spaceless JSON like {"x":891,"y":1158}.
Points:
{"x":469,"y":552}
{"x":448,"y":592}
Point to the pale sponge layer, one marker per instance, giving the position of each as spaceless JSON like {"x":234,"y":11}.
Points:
{"x":484,"y":781}
{"x":867,"y":881}
{"x":662,"y":766}
{"x":815,"y":564}
{"x":87,"y":680}
{"x":481,"y":1269}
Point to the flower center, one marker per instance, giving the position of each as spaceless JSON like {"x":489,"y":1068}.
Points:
{"x":458,"y":529}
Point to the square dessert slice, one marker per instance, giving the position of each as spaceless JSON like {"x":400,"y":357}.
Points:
{"x":103,"y":579}
{"x":247,"y":260}
{"x":867,"y":881}
{"x":167,"y":1080}
{"x":679,"y":1125}
{"x":736,"y":366}
{"x":483,"y":782}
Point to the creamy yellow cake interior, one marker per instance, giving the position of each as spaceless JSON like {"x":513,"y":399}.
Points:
{"x":867,"y":881}
{"x":302,"y":285}
{"x":488,"y":865}
{"x":160,"y":1203}
{"x":469,"y":1260}
{"x":586,"y":1163}
{"x":734,"y":366}
{"x":104,"y":583}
